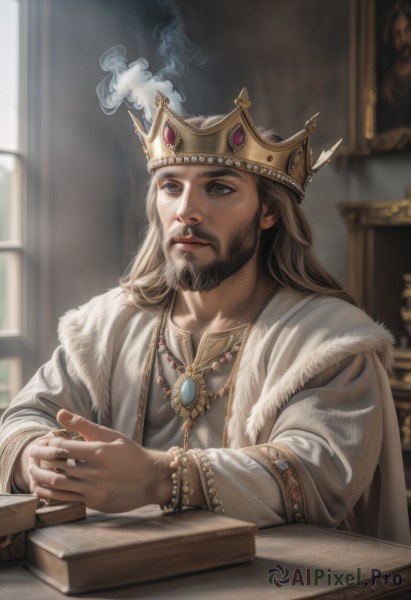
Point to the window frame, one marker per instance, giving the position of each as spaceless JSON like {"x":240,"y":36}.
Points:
{"x":13,"y":343}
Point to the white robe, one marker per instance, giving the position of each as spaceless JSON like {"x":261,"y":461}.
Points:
{"x":308,"y":432}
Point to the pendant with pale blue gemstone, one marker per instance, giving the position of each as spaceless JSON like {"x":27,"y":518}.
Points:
{"x":189,"y":397}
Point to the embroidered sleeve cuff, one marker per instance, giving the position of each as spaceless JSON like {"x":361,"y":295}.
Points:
{"x":282,"y":463}
{"x":11,"y":449}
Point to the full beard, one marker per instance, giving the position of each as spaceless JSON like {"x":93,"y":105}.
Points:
{"x":188,"y":276}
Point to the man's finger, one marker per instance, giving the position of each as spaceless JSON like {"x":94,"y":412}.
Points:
{"x":58,"y":495}
{"x":90,"y":431}
{"x":50,"y":478}
{"x":84,"y":451}
{"x":48,"y":452}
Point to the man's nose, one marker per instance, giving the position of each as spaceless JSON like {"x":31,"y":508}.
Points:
{"x":189,"y":210}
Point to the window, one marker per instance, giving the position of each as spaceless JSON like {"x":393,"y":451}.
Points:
{"x":11,"y":206}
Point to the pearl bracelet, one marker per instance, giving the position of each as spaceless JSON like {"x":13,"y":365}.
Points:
{"x":181,"y":480}
{"x":214,"y":502}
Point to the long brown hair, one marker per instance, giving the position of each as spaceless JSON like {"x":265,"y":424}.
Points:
{"x":285,"y":249}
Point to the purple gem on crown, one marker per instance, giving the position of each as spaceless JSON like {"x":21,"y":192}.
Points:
{"x":169,"y":136}
{"x":236,"y":137}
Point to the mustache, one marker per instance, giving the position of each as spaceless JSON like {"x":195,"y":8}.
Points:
{"x":186,"y":231}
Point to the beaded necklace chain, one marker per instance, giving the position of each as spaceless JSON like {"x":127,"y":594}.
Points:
{"x":189,"y":394}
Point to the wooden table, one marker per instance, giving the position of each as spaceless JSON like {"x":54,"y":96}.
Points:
{"x":337,"y":559}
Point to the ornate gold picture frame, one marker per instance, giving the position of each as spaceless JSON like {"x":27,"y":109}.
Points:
{"x":380,"y":71}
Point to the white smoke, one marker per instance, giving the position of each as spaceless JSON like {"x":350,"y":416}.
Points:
{"x":135,"y":84}
{"x":176,"y":49}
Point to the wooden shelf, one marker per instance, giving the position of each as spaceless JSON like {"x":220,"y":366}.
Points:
{"x":378,"y":256}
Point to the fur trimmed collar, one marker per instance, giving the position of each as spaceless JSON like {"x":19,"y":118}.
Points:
{"x":290,"y":347}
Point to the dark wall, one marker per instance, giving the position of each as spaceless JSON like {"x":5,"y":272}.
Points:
{"x":87,"y":177}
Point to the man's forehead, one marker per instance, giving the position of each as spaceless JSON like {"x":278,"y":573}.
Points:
{"x":197,"y":172}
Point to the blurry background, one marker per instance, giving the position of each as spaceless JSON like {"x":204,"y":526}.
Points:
{"x":73,"y":180}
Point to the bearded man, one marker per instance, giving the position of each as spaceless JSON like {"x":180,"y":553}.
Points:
{"x":229,"y":372}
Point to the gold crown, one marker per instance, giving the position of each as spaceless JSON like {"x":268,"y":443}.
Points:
{"x":233,"y":141}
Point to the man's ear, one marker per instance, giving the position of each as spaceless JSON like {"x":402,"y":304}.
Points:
{"x":268,"y":217}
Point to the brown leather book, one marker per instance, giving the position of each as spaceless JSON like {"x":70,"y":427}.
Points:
{"x":17,"y":513}
{"x":62,"y":512}
{"x":105,"y":551}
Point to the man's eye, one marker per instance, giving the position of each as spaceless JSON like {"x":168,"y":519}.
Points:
{"x":219,"y":188}
{"x":169,"y":186}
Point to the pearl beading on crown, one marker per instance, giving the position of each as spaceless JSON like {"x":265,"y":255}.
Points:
{"x":229,"y":162}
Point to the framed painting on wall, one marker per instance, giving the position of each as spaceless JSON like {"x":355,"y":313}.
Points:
{"x":380,"y":70}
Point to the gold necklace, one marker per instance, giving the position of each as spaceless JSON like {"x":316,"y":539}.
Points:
{"x":189,"y":395}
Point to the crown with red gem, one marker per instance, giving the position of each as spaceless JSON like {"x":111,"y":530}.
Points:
{"x":233,"y":141}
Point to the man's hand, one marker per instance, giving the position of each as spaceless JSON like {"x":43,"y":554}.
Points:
{"x":107,"y":471}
